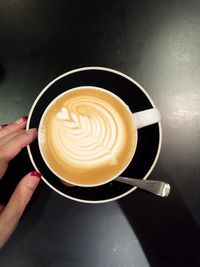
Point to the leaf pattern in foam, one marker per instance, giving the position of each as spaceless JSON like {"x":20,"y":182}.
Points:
{"x":85,"y":127}
{"x":63,"y":114}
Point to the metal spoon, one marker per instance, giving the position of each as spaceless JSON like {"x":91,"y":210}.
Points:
{"x":159,"y":188}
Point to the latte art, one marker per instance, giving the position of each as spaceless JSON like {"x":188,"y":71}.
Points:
{"x":87,"y":136}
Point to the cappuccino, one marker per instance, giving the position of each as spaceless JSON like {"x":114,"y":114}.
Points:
{"x":87,"y":136}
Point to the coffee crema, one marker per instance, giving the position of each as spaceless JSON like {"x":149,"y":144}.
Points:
{"x":87,"y":136}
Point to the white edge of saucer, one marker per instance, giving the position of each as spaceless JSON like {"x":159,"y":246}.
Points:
{"x":128,"y":78}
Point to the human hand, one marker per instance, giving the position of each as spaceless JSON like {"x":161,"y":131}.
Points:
{"x":13,"y":138}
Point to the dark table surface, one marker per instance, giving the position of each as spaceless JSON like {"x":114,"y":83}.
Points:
{"x":158,"y":44}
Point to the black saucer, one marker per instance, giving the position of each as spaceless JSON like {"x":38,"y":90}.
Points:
{"x":149,"y":138}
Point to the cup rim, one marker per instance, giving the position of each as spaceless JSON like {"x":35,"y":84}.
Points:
{"x":107,"y":70}
{"x":119,"y":100}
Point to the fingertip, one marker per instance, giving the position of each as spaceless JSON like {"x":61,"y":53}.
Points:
{"x":31,"y":134}
{"x":67,"y":184}
{"x":21,"y":120}
{"x":24,"y":190}
{"x":35,"y":173}
{"x":32,"y":131}
{"x":33,"y":179}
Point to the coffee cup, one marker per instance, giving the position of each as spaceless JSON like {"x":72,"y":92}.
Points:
{"x":88,"y":136}
{"x":140,"y":125}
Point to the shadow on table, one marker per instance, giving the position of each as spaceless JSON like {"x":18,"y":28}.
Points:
{"x":2,"y":73}
{"x":166,"y":230}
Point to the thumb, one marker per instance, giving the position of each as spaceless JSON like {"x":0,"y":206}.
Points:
{"x":13,"y":211}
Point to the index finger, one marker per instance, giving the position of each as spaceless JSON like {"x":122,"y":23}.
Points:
{"x":13,"y":127}
{"x":10,"y":149}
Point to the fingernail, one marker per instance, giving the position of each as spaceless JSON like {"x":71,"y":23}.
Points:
{"x":3,"y":125}
{"x":37,"y":174}
{"x":33,"y":180}
{"x":20,"y":120}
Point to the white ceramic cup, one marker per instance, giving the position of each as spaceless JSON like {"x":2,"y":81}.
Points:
{"x":140,"y":119}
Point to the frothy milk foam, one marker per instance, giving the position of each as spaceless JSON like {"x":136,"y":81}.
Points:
{"x":87,"y":136}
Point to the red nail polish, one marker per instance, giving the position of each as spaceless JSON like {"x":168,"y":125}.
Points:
{"x":24,"y":117}
{"x":20,"y":120}
{"x":37,"y":174}
{"x":3,"y":125}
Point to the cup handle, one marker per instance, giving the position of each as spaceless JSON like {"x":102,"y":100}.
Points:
{"x":146,"y":117}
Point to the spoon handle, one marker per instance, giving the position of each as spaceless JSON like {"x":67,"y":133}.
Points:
{"x":156,"y":187}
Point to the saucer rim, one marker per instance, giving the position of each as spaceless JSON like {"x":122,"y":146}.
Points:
{"x":124,"y":76}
